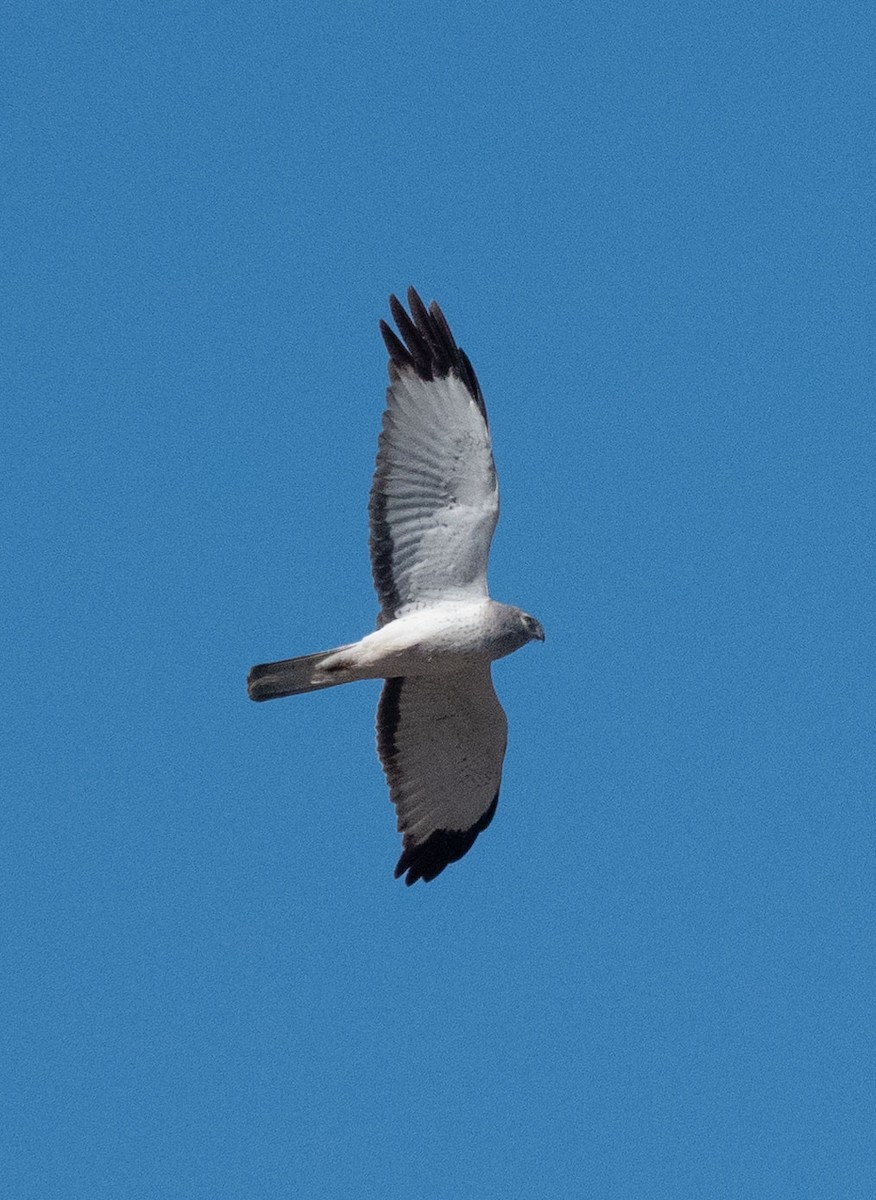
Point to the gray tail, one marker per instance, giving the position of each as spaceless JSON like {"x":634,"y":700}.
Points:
{"x":292,"y":676}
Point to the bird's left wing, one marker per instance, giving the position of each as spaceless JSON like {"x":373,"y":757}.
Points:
{"x":441,"y":741}
{"x":434,"y":500}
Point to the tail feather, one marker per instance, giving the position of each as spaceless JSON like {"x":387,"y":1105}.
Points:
{"x":292,"y":676}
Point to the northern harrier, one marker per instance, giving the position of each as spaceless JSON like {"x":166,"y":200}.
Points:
{"x":441,"y":731}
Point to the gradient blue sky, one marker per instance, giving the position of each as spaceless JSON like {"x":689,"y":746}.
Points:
{"x":651,"y":227}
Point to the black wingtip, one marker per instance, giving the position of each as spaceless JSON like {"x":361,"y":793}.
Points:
{"x":427,"y":345}
{"x":394,"y":348}
{"x":428,"y":859}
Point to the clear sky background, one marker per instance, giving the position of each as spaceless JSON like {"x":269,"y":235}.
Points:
{"x":651,"y":227}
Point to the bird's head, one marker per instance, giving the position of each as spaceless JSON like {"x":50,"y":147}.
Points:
{"x":534,"y":631}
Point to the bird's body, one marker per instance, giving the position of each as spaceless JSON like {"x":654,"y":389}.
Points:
{"x":434,"y":506}
{"x":443,"y":639}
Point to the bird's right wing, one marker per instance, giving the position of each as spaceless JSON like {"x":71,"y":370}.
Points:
{"x":435,"y":499}
{"x":441,"y":741}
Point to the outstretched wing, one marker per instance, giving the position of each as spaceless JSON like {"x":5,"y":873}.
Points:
{"x":435,"y":499}
{"x":441,"y":742}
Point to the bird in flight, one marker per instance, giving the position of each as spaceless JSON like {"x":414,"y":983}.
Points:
{"x":441,"y":731}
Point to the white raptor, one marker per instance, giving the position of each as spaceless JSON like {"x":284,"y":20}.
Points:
{"x":441,"y":731}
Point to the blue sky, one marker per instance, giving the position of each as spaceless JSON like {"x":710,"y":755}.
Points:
{"x":651,"y":228}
